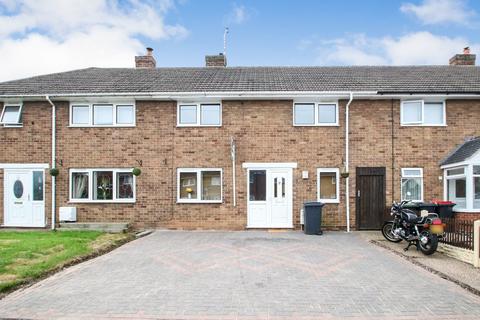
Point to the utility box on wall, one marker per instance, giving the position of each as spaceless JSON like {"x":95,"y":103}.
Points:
{"x":68,"y":214}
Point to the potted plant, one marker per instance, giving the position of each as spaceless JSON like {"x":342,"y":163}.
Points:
{"x":136,"y":171}
{"x":54,"y":172}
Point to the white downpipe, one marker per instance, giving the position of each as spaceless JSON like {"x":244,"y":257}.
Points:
{"x":233,"y":151}
{"x":347,"y":181}
{"x":53,"y":158}
{"x":234,"y":185}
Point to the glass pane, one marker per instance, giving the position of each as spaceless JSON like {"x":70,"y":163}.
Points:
{"x":125,"y":115}
{"x":37,"y":186}
{"x":476,"y":170}
{"x":188,"y":114}
{"x":80,"y":185}
{"x":412,"y":112}
{"x":188,"y":185}
{"x":11,"y":114}
{"x":283,"y":187}
{"x":211,"y":185}
{"x":456,"y":192}
{"x":258,"y":185}
{"x":328,"y":185}
{"x":124,"y":185}
{"x":412,"y":173}
{"x":103,"y":114}
{"x":275,"y":187}
{"x":433,"y":113}
{"x":453,"y":172}
{"x":460,"y":188}
{"x":210,"y":114}
{"x":80,"y":114}
{"x":102,"y":185}
{"x":412,"y":189}
{"x":18,"y":189}
{"x":304,"y":113}
{"x":476,"y":190}
{"x":327,"y":113}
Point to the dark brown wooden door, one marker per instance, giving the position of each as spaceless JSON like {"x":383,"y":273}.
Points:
{"x":370,"y":196}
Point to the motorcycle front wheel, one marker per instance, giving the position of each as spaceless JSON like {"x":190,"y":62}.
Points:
{"x":387,"y":231}
{"x":430,"y":246}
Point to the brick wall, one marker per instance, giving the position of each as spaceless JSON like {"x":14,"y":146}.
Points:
{"x":264,"y":133}
{"x":30,"y":144}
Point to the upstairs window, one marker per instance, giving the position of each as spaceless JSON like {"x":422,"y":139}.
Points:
{"x":194,"y":114}
{"x":315,"y":114}
{"x":421,"y":113}
{"x":102,"y":115}
{"x":11,"y":115}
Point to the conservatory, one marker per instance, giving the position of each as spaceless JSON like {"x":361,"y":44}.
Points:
{"x":461,"y":177}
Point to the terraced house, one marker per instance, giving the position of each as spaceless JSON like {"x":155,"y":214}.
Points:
{"x":238,"y":147}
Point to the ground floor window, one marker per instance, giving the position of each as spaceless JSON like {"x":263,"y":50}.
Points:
{"x":328,"y":186}
{"x":102,"y":185}
{"x":199,"y":185}
{"x":412,"y":184}
{"x":462,"y":186}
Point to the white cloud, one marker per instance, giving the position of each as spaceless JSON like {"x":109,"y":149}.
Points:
{"x":440,"y":11}
{"x":238,"y":15}
{"x":419,"y":48}
{"x":44,"y":36}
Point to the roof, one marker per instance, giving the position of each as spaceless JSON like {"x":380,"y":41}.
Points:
{"x":384,"y":79}
{"x":462,"y":152}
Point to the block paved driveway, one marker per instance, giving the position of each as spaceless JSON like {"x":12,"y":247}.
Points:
{"x":244,"y":275}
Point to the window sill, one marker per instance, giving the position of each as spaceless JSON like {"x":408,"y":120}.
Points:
{"x":199,"y":125}
{"x":103,"y":201}
{"x":317,"y":125}
{"x":19,"y":125}
{"x":422,"y":125}
{"x":329,"y":201}
{"x":199,"y":201}
{"x":466,"y":210}
{"x":103,"y":126}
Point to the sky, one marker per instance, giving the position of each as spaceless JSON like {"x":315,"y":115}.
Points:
{"x":46,"y":36}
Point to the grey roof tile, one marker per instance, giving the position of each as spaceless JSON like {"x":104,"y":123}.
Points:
{"x":384,"y":79}
{"x":462,"y":152}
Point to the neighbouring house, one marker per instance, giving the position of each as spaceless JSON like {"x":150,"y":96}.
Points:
{"x":238,"y":147}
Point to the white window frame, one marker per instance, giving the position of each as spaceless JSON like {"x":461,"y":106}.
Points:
{"x":404,"y":176}
{"x":198,"y":106}
{"x":422,"y":123}
{"x":12,"y":124}
{"x":90,"y":199}
{"x":199,"y":171}
{"x":114,"y":111}
{"x":337,"y":189}
{"x":316,"y":123}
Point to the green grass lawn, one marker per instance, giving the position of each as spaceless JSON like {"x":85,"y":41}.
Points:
{"x":25,"y":256}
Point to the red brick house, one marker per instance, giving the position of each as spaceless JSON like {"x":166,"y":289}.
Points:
{"x":237,"y":147}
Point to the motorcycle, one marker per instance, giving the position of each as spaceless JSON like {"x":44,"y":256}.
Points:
{"x":423,"y":232}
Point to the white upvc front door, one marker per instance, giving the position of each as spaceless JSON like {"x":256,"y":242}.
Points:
{"x":269,"y":197}
{"x":24,"y":204}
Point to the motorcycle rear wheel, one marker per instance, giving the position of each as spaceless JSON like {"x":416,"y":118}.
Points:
{"x":388,"y":232}
{"x":431,"y":246}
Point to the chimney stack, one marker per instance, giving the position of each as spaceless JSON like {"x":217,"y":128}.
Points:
{"x":464,"y":59}
{"x":219,"y":60}
{"x":147,"y":61}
